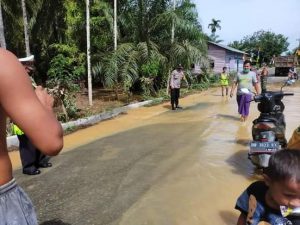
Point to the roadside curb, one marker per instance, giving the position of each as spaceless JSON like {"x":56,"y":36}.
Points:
{"x":13,"y":140}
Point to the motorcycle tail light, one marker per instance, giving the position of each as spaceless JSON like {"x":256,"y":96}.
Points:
{"x":264,"y":139}
{"x":264,"y":126}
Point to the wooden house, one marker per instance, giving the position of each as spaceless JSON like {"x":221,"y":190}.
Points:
{"x":222,"y":55}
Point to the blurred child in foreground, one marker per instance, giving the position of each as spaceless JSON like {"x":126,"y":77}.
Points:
{"x":276,"y":200}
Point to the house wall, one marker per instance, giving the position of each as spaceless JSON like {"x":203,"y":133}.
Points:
{"x":223,"y":57}
{"x":218,"y":55}
{"x":234,"y":61}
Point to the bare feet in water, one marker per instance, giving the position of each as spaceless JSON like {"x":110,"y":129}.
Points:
{"x":243,"y":118}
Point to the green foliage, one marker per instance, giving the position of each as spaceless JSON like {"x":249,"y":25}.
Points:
{"x":150,"y":69}
{"x":12,"y":20}
{"x":145,"y":54}
{"x":119,"y":68}
{"x":236,"y":44}
{"x":267,"y":42}
{"x":66,"y":69}
{"x":67,"y":64}
{"x":214,"y":38}
{"x":186,"y":53}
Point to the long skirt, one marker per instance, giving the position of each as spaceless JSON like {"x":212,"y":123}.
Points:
{"x":243,"y":104}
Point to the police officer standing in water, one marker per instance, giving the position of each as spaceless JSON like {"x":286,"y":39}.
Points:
{"x":174,"y":86}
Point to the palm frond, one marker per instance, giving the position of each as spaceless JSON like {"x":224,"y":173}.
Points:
{"x":144,"y":51}
{"x":164,"y":19}
{"x":186,"y":53}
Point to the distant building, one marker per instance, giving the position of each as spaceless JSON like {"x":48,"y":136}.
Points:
{"x":222,"y":55}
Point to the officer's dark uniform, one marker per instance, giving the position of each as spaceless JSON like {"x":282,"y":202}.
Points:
{"x":31,"y":157}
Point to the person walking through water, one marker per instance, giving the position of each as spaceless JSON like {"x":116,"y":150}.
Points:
{"x":244,"y":82}
{"x":263,"y":78}
{"x":31,"y":109}
{"x":32,"y":158}
{"x":174,"y":84}
{"x":224,"y":81}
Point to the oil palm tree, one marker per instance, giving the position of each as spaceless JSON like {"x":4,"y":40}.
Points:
{"x":121,"y":68}
{"x":214,"y":25}
{"x":188,"y":36}
{"x":145,"y":34}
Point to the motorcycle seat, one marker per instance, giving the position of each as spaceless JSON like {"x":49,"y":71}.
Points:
{"x":264,"y":119}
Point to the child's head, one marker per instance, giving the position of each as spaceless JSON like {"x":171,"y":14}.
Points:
{"x":283,"y":178}
{"x":224,"y":69}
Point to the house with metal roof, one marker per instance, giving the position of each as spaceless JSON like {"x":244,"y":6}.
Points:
{"x":222,"y":55}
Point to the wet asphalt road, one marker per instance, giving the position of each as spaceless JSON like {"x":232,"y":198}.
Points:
{"x":161,"y":172}
{"x":98,"y":182}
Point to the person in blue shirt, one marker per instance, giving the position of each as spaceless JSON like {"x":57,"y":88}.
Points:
{"x":276,"y":198}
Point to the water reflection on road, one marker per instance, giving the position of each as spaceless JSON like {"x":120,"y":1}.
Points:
{"x":154,"y":166}
{"x":213,"y":169}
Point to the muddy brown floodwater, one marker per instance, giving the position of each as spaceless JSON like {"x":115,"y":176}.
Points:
{"x":214,"y":170}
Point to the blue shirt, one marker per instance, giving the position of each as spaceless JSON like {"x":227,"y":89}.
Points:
{"x":262,"y":212}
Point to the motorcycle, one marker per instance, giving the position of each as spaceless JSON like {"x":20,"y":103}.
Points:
{"x":268,"y":130}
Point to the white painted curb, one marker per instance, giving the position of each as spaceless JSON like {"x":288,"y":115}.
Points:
{"x":13,"y":140}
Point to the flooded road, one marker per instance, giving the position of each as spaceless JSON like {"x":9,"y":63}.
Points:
{"x":155,"y":166}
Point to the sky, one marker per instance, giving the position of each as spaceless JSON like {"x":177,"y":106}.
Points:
{"x":240,"y":18}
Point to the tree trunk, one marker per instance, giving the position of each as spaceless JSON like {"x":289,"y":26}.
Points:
{"x":88,"y":52}
{"x":115,"y":25}
{"x":173,"y":24}
{"x":25,"y":28}
{"x":2,"y":37}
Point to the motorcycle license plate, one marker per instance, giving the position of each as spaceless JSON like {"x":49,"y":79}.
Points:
{"x":263,"y":147}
